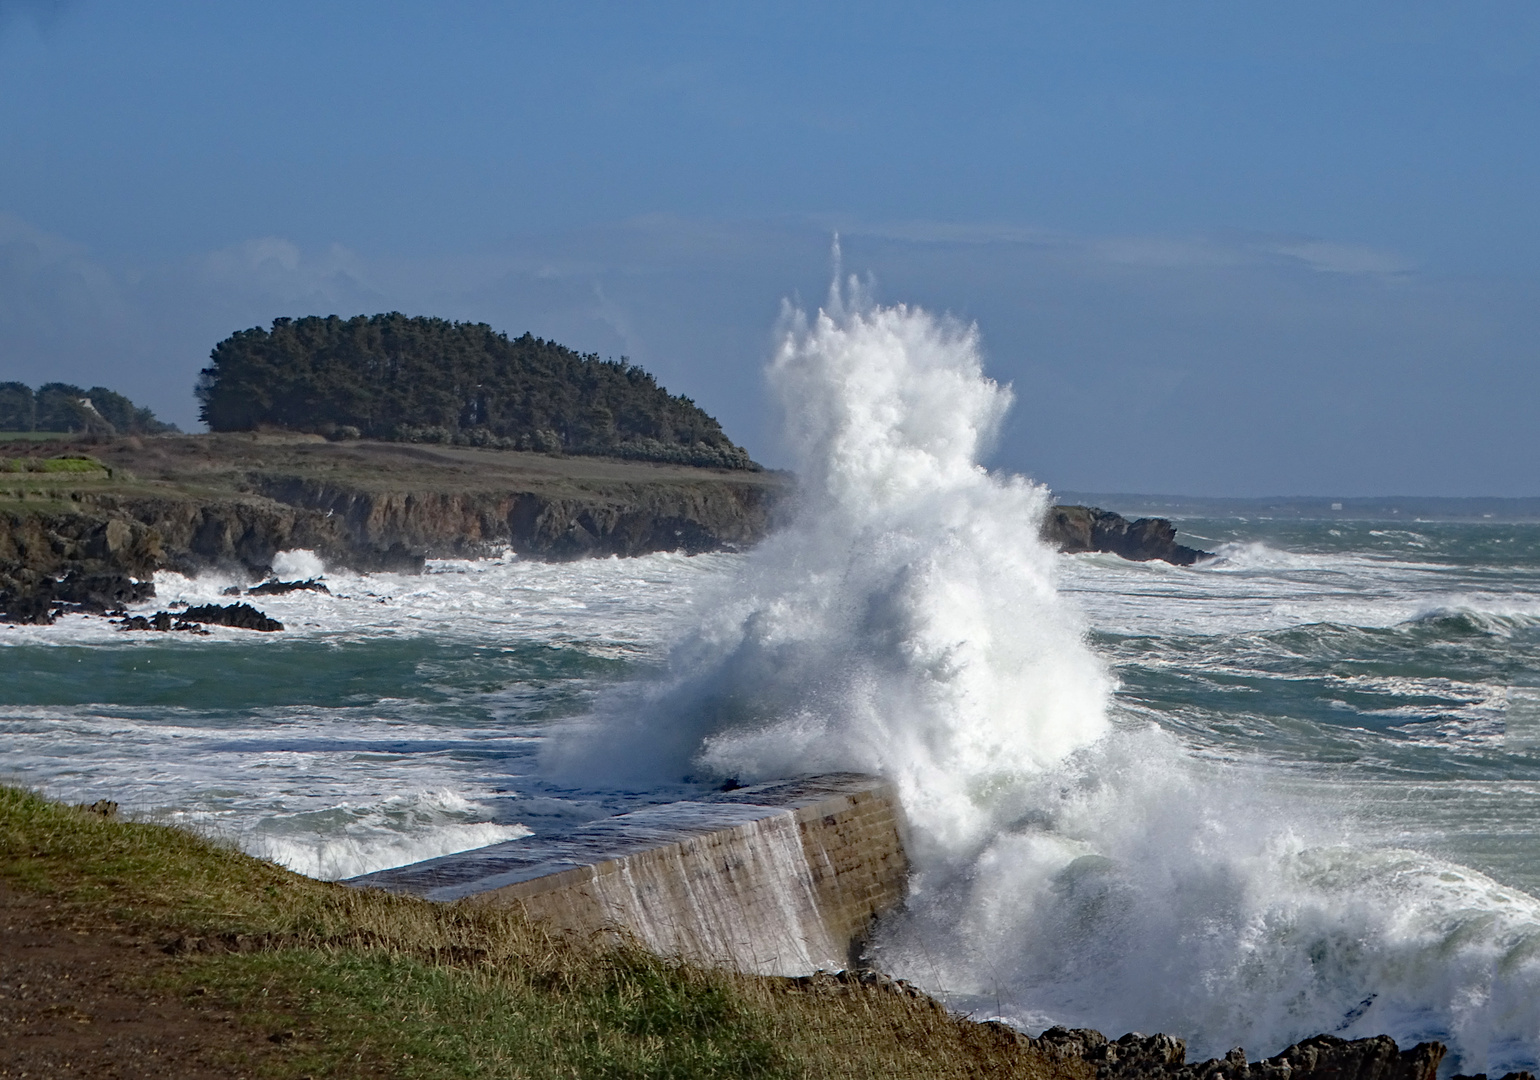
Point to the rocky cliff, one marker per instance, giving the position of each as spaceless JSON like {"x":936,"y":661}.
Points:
{"x":84,"y":525}
{"x":85,"y":538}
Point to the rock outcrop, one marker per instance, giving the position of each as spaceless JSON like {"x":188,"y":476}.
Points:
{"x":1321,"y":1057}
{"x":1075,"y":529}
{"x":279,"y":588}
{"x":625,"y":520}
{"x":232,"y":503}
{"x":1159,"y":1057}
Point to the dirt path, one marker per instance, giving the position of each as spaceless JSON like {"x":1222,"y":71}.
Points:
{"x":72,"y":1005}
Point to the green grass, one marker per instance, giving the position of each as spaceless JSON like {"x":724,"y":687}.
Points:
{"x":67,"y":465}
{"x":36,"y":436}
{"x":371,"y":984}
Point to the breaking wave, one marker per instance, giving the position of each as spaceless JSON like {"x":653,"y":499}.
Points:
{"x":1071,"y":865}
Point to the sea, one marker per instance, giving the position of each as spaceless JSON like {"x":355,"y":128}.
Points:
{"x":1290,"y":790}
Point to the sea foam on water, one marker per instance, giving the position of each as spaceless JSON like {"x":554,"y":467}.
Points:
{"x":1072,"y":863}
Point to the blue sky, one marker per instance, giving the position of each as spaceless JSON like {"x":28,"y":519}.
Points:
{"x":1216,"y":248}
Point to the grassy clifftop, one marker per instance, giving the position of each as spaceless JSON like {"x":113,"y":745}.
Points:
{"x":263,"y":972}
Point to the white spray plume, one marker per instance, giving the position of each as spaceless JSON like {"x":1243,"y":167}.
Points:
{"x":905,"y":623}
{"x":1065,"y":871}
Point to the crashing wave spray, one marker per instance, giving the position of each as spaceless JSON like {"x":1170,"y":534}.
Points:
{"x":1068,"y":869}
{"x":906,"y":622}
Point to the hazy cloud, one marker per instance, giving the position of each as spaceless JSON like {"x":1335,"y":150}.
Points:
{"x":1345,"y":258}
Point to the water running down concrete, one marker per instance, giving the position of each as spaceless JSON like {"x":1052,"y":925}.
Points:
{"x":781,"y":878}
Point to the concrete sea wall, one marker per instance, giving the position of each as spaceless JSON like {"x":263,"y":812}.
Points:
{"x":781,"y":878}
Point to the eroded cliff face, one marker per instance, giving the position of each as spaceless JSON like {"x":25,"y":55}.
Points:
{"x":232,"y":503}
{"x":628,"y":520}
{"x":194,"y":503}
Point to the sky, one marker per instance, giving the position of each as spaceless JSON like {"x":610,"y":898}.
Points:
{"x":1215,"y":248}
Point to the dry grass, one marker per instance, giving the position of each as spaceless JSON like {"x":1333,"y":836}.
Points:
{"x":371,"y":984}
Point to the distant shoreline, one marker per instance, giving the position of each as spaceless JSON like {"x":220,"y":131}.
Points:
{"x":1403,"y":508}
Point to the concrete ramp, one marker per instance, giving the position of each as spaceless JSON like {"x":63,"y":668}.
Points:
{"x":780,"y":878}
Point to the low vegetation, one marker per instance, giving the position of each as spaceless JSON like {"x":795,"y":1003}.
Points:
{"x":331,"y":981}
{"x":67,"y":465}
{"x":429,"y":380}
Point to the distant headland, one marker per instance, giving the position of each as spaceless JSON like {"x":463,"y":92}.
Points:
{"x":396,"y":378}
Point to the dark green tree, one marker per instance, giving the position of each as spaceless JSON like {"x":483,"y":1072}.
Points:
{"x":123,"y":414}
{"x":61,"y":407}
{"x":18,"y":407}
{"x":430,"y":380}
{"x":66,"y":407}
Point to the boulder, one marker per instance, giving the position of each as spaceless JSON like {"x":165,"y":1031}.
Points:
{"x":278,"y":588}
{"x":1321,"y":1057}
{"x":1075,"y":529}
{"x":242,"y":616}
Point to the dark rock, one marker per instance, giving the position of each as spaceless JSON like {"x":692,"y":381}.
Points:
{"x":1164,"y":1057}
{"x":1322,"y":1057}
{"x":1327,"y":1056}
{"x":102,"y":807}
{"x":102,"y":592}
{"x":161,"y":621}
{"x":1075,"y":529}
{"x":241,"y":616}
{"x":29,"y":597}
{"x":32,"y":607}
{"x":278,"y":588}
{"x":1132,"y":1055}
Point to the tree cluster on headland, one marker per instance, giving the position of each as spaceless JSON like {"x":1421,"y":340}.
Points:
{"x":63,"y":407}
{"x":405,"y":379}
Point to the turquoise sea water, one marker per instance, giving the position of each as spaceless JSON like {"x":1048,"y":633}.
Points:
{"x":1377,"y":679}
{"x":1395,"y":666}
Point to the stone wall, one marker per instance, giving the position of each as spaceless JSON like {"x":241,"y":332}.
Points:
{"x":781,"y":878}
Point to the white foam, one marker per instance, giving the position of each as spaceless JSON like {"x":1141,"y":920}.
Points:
{"x":340,"y":839}
{"x":298,"y":565}
{"x":1065,"y":869}
{"x":626,"y":603}
{"x":905,"y":623}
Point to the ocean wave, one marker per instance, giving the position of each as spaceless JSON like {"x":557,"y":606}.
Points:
{"x":632,"y":603}
{"x":348,"y":839}
{"x":1074,"y":870}
{"x":1494,"y":619}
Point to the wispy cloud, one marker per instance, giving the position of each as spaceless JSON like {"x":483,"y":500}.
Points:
{"x":1145,"y":250}
{"x":1336,"y":258}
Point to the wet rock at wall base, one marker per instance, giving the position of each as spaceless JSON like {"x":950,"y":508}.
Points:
{"x":1322,"y":1057}
{"x":29,"y":607}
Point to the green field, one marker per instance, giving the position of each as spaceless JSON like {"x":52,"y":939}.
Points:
{"x":36,"y":436}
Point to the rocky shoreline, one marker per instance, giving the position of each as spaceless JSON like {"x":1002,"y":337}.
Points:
{"x":1135,"y":1056}
{"x":90,"y":537}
